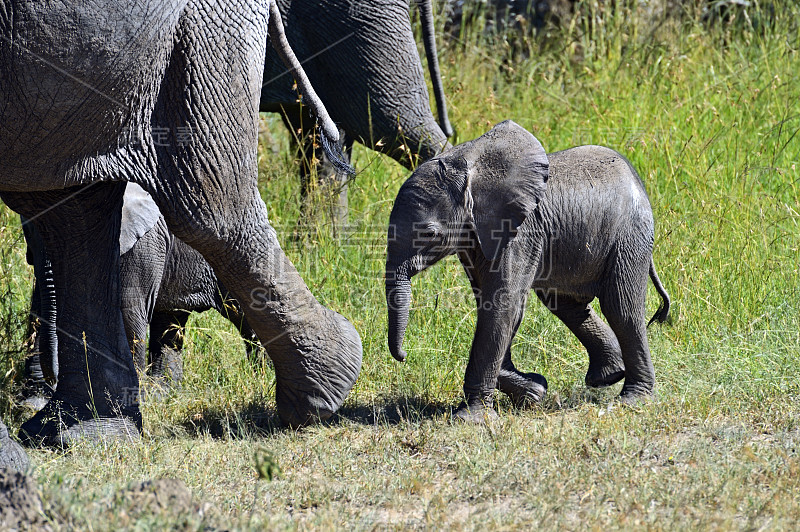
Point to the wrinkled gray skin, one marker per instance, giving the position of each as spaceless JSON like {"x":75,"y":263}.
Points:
{"x":585,"y":232}
{"x":86,"y":94}
{"x":362,"y":58}
{"x":162,"y":280}
{"x":12,"y":455}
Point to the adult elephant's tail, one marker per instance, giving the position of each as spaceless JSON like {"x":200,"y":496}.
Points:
{"x":662,"y":314}
{"x":329,"y":133}
{"x":429,"y":40}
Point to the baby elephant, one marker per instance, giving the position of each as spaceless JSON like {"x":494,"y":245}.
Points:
{"x":572,"y":226}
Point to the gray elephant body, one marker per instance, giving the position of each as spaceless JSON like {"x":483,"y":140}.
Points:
{"x":381,"y":100}
{"x":586,"y":234}
{"x":163,"y":280}
{"x":12,"y":456}
{"x":163,"y":94}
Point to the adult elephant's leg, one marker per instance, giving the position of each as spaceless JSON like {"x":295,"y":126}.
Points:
{"x":97,"y":390}
{"x":606,"y":366}
{"x":208,"y":194}
{"x":523,"y":388}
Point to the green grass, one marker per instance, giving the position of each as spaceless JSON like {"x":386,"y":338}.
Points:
{"x":710,"y":118}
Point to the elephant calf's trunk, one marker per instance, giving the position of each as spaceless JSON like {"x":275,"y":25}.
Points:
{"x":398,"y":298}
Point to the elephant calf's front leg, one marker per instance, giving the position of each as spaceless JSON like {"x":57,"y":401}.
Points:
{"x":498,"y":320}
{"x":523,"y":388}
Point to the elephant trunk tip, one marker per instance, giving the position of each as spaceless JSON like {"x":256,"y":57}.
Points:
{"x":399,"y":355}
{"x":447,"y":129}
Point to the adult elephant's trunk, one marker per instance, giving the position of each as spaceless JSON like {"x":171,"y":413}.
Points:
{"x":398,"y":298}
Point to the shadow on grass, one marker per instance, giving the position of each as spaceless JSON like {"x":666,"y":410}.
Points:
{"x":252,"y":420}
{"x":395,"y":410}
{"x":257,"y":420}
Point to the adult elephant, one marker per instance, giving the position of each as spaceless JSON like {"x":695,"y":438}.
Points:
{"x":154,"y":93}
{"x":362,"y":58}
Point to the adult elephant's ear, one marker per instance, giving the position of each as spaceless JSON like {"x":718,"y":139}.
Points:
{"x":506,"y":180}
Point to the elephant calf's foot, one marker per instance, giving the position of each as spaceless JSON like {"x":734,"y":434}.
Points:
{"x":315,"y":373}
{"x":477,"y":414}
{"x":60,"y":424}
{"x":524,"y":389}
{"x":167,"y":366}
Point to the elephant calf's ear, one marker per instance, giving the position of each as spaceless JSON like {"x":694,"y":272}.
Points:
{"x":507,"y":183}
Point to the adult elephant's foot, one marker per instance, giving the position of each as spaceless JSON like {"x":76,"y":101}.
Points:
{"x":60,"y":424}
{"x":314,"y":379}
{"x":601,"y":376}
{"x":476,"y":413}
{"x":524,"y":389}
{"x":12,"y":455}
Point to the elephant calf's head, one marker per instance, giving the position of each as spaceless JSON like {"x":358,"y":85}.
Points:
{"x":480,"y":191}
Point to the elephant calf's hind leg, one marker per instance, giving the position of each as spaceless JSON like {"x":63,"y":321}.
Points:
{"x":625,"y":314}
{"x":605,"y":356}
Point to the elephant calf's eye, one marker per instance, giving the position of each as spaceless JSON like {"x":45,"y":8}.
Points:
{"x":426,"y":235}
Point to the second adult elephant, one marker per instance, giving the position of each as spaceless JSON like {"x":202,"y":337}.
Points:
{"x":362,"y":58}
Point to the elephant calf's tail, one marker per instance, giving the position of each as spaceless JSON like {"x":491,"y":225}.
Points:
{"x":662,"y":313}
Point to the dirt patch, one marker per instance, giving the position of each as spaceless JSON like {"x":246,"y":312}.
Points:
{"x":20,"y":504}
{"x":160,"y":495}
